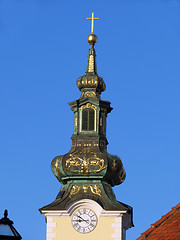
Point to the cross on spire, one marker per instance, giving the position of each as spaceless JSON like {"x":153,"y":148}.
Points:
{"x":92,"y":23}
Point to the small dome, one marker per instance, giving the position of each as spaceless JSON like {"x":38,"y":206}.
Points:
{"x":91,"y":81}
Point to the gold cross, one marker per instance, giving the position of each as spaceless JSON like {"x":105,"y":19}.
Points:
{"x":92,"y":23}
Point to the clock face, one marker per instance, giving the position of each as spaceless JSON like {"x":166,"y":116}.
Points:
{"x":84,"y":220}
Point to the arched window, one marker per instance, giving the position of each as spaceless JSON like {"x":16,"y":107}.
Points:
{"x":88,"y":116}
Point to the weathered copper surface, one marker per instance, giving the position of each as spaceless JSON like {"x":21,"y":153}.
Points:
{"x":88,"y":170}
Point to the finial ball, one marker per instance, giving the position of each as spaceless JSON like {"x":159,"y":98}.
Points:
{"x":92,"y":39}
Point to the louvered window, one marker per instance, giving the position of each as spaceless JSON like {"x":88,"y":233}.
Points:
{"x":88,"y":115}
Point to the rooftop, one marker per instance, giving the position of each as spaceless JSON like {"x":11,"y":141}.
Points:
{"x":166,"y":228}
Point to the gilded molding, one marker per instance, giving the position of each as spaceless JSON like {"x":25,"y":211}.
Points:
{"x":88,"y":94}
{"x":74,"y":190}
{"x":93,"y":188}
{"x":89,"y":105}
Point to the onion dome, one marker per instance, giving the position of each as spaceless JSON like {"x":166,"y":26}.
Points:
{"x":91,"y":80}
{"x":89,"y":164}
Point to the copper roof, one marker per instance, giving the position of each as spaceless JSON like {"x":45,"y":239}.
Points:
{"x":166,"y":228}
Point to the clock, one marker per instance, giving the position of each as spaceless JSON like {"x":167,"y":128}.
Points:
{"x":84,"y":220}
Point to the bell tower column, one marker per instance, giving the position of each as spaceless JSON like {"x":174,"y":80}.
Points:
{"x":86,"y":207}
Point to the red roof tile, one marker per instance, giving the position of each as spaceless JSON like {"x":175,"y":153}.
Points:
{"x":166,"y":228}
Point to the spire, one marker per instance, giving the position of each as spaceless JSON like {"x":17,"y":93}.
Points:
{"x":91,"y":63}
{"x":92,"y":39}
{"x":91,"y":80}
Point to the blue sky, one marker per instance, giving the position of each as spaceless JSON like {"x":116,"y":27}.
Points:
{"x":43,"y":50}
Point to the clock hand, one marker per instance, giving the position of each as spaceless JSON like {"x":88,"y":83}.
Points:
{"x":87,"y":221}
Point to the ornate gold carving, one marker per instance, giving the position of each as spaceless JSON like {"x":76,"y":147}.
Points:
{"x":94,"y":189}
{"x":88,"y":105}
{"x":83,"y":162}
{"x":57,"y":168}
{"x":88,"y":94}
{"x":91,"y":64}
{"x":85,"y":188}
{"x":74,"y":190}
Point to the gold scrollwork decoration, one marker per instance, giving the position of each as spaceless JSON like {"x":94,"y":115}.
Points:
{"x":57,"y":167}
{"x":85,"y":188}
{"x":89,"y":105}
{"x":81,"y":163}
{"x":93,"y":188}
{"x":74,"y":190}
{"x":88,"y":94}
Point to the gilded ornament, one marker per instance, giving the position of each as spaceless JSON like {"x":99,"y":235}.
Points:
{"x":85,"y":188}
{"x":88,"y":94}
{"x":84,"y":164}
{"x":57,"y":168}
{"x":74,"y":190}
{"x":88,"y":105}
{"x":91,"y":64}
{"x":92,"y":21}
{"x":94,"y":189}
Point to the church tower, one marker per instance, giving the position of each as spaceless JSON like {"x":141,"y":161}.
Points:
{"x":86,"y":207}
